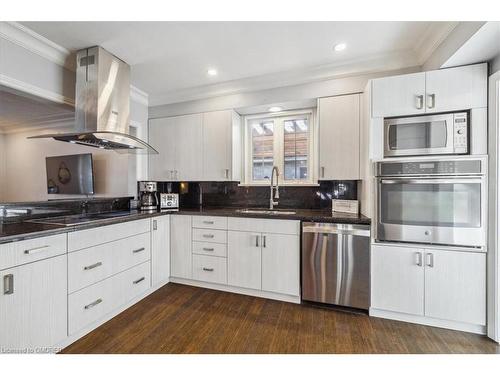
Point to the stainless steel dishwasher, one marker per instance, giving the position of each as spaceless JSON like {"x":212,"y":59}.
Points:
{"x":336,"y":264}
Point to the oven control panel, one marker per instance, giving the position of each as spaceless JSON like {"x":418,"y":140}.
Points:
{"x":460,"y":133}
{"x":439,"y":167}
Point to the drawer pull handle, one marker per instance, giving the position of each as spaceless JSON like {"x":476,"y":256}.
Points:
{"x":155,"y":225}
{"x":95,"y":303}
{"x":8,"y":284}
{"x":208,"y":222}
{"x":208,"y":269}
{"x":35,"y":250}
{"x":139,"y":250}
{"x":208,"y":248}
{"x":139,"y":280}
{"x":95,"y":265}
{"x":208,"y":236}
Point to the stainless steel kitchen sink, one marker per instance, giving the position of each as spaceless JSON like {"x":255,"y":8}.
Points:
{"x":251,"y":211}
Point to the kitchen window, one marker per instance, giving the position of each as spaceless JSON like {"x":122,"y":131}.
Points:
{"x":284,"y":140}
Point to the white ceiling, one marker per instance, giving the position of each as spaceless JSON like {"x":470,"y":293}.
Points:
{"x":169,"y":59}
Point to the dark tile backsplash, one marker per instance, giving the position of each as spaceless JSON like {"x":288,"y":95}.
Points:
{"x":229,"y":194}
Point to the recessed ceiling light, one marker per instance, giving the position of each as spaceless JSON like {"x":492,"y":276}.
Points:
{"x":339,"y":47}
{"x":212,"y":72}
{"x":275,"y":109}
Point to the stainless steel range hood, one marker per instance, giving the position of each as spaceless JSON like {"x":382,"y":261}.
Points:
{"x":102,"y":110}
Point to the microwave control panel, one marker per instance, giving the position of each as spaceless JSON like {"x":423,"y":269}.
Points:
{"x":460,"y":133}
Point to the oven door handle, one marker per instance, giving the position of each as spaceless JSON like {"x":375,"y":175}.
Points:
{"x":451,"y":180}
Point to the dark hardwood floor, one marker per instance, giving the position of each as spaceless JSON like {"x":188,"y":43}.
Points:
{"x":185,"y":319}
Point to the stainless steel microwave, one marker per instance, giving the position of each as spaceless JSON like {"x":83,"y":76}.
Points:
{"x":427,"y":135}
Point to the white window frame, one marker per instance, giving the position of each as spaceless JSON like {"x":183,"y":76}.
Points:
{"x":278,"y":147}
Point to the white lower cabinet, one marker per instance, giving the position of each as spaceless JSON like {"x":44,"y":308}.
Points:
{"x":160,"y":250}
{"x":209,"y":268}
{"x":397,"y":279}
{"x":181,"y":246}
{"x":280,"y":263}
{"x":447,"y":285}
{"x":455,"y":286}
{"x":244,"y":259}
{"x":33,"y":305}
{"x":96,"y":301}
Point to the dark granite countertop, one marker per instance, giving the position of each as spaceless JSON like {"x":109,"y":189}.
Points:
{"x":10,"y":232}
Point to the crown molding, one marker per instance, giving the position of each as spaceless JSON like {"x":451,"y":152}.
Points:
{"x":33,"y":42}
{"x":35,"y":90}
{"x":139,"y":96}
{"x":430,"y":40}
{"x":355,"y":67}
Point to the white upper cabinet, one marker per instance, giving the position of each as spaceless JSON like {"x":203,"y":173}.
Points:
{"x":339,"y":137}
{"x":456,"y":88}
{"x":398,"y":95}
{"x":221,"y":146}
{"x":443,"y":90}
{"x":199,"y":147}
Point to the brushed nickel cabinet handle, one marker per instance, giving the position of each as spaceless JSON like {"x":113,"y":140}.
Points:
{"x":35,"y":250}
{"x":207,"y":269}
{"x":92,"y":266}
{"x":208,"y":248}
{"x":263,"y":241}
{"x":322,"y":172}
{"x":208,"y":236}
{"x":257,"y":241}
{"x":208,"y":222}
{"x":431,"y":101}
{"x":8,"y":284}
{"x":430,"y":260}
{"x":419,"y":102}
{"x":155,"y":224}
{"x":139,"y":280}
{"x":171,"y":174}
{"x":138,"y":250}
{"x":92,"y":304}
{"x":419,"y":259}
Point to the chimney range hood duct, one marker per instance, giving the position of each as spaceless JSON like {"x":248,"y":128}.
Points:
{"x":102,"y":110}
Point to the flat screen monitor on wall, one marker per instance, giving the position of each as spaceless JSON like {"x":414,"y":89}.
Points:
{"x":70,"y":174}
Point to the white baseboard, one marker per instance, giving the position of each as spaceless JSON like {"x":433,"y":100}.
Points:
{"x":71,"y":339}
{"x":441,"y":323}
{"x":237,"y":290}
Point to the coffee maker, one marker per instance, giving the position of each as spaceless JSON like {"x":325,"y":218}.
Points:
{"x":148,"y":196}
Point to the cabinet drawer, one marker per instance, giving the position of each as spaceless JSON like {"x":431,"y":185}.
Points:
{"x":210,"y":269}
{"x":264,"y":225}
{"x":209,"y":235}
{"x":97,"y":236}
{"x":210,"y":248}
{"x":88,"y":266}
{"x":95,"y":302}
{"x":16,"y":253}
{"x":210,"y":222}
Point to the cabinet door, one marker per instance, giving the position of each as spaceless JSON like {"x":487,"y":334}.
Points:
{"x":33,"y":304}
{"x":189,"y":148}
{"x":397,"y":276}
{"x":244,"y":259}
{"x":398,"y":95}
{"x":180,"y":246}
{"x":339,"y":119}
{"x":160,"y":249}
{"x":458,"y":88}
{"x":455,"y":286}
{"x":163,"y":137}
{"x":217,"y":127}
{"x":281,"y":263}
